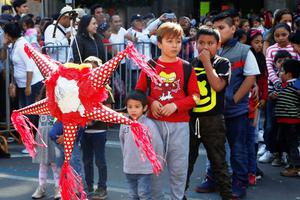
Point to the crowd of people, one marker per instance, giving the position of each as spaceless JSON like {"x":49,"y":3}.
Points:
{"x":230,"y":83}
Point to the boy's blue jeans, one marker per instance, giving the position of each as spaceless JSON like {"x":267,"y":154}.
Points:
{"x":237,"y":139}
{"x":270,"y":134}
{"x":139,"y":186}
{"x":251,"y":154}
{"x":93,"y":145}
{"x":75,"y":158}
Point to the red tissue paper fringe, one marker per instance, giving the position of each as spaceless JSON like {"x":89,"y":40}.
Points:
{"x":141,"y":62}
{"x":71,"y":184}
{"x":143,"y":141}
{"x":25,"y":129}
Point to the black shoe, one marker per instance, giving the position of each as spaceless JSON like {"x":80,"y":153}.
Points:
{"x":3,"y":154}
{"x":259,"y":173}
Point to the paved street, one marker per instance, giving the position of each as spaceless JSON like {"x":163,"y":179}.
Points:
{"x":18,"y":178}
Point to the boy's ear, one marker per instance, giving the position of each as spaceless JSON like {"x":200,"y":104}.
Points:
{"x":233,"y":28}
{"x":159,"y":44}
{"x":145,"y":108}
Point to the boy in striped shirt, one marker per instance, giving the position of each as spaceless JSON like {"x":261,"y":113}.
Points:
{"x":287,"y":112}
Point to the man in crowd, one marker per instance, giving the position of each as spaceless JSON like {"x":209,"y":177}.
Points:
{"x":57,"y":44}
{"x":21,"y":8}
{"x":98,"y":12}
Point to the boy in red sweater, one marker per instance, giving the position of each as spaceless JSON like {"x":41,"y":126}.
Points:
{"x":169,"y":104}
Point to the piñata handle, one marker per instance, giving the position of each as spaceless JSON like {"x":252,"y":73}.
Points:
{"x":71,"y":185}
{"x":25,"y":129}
{"x":142,"y":139}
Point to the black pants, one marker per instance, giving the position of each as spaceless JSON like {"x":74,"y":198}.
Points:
{"x":213,"y":133}
{"x":290,"y":135}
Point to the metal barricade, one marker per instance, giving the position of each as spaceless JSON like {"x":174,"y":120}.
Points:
{"x":127,"y":74}
{"x":8,"y":130}
{"x":62,"y":54}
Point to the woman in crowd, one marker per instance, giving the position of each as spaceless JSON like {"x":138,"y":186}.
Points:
{"x":87,"y":42}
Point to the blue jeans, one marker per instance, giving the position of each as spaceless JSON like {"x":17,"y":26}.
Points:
{"x":75,"y":158}
{"x":270,"y":135}
{"x":250,"y":144}
{"x":139,"y":186}
{"x":27,"y":100}
{"x":93,"y":145}
{"x":237,"y":139}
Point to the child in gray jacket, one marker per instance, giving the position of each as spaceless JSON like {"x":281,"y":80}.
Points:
{"x":138,"y":171}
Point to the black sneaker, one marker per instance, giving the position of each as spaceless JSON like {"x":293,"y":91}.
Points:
{"x":259,"y":173}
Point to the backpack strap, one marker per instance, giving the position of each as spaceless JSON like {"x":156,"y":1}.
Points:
{"x":151,"y":63}
{"x":187,"y":71}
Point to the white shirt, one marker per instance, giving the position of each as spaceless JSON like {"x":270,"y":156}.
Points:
{"x":119,"y":41}
{"x":118,"y":38}
{"x":251,"y":66}
{"x":57,"y":53}
{"x":143,"y":38}
{"x":23,"y":64}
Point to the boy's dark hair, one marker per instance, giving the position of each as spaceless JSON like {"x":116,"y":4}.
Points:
{"x":292,"y":66}
{"x":205,"y":30}
{"x":224,"y":16}
{"x":13,"y":30}
{"x":282,"y":54}
{"x":233,"y":13}
{"x":257,"y":19}
{"x":239,"y":34}
{"x":295,"y":37}
{"x":28,"y":21}
{"x":297,"y":23}
{"x":5,"y":8}
{"x":138,"y":96}
{"x":18,"y":3}
{"x":94,"y":7}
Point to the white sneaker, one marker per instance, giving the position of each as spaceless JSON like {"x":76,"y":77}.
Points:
{"x":25,"y":151}
{"x":57,"y":194}
{"x":266,"y":158}
{"x":260,"y":136}
{"x":261,"y":150}
{"x":39,"y":193}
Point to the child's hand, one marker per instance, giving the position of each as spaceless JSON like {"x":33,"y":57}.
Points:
{"x":60,"y":139}
{"x":156,"y":109}
{"x":274,"y":95}
{"x":262,"y":103}
{"x":204,"y":56}
{"x":168,"y":109}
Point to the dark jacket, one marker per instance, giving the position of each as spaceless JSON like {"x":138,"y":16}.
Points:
{"x":88,"y":47}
